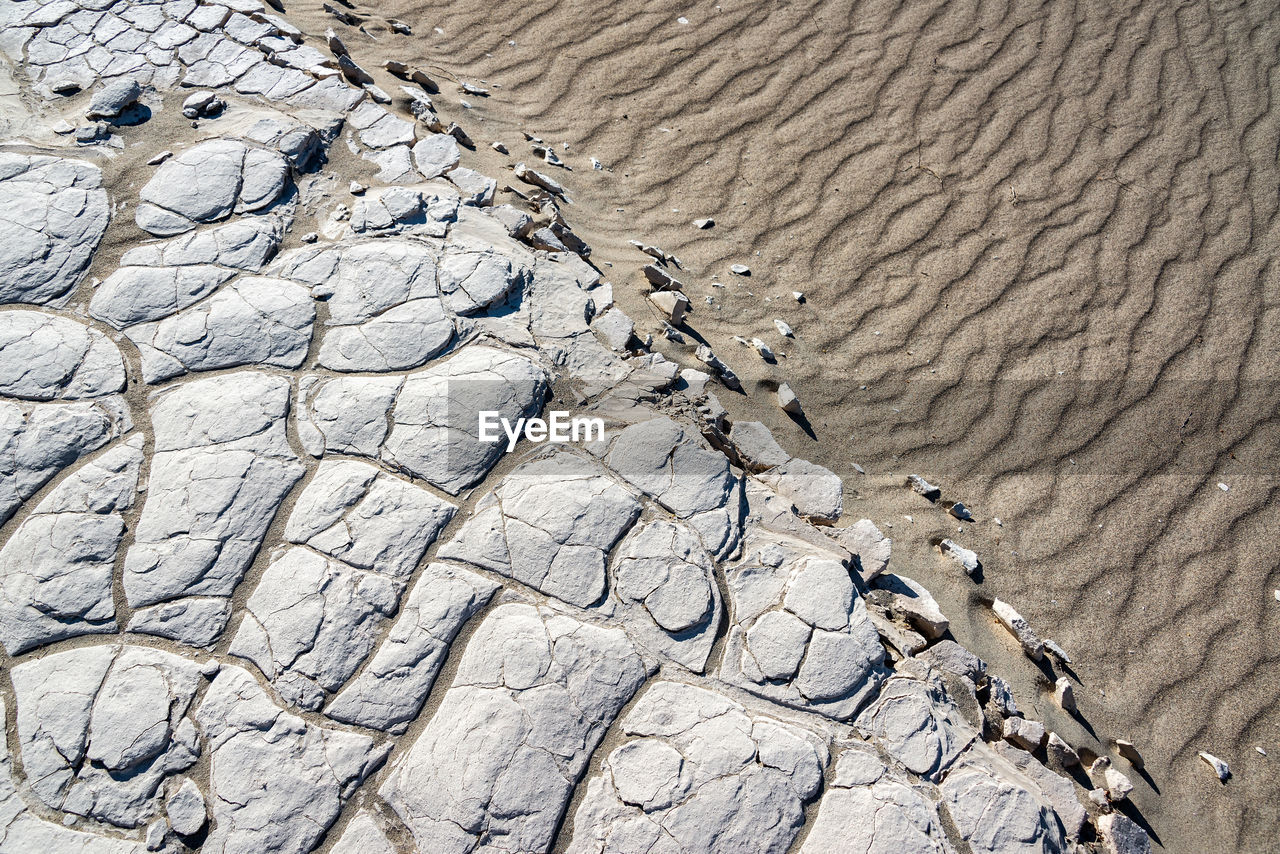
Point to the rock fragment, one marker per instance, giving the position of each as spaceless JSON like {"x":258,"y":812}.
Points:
{"x":967,"y":558}
{"x":1220,"y":767}
{"x":1026,"y":734}
{"x":1019,"y":628}
{"x":1121,"y":835}
{"x":186,"y":809}
{"x":673,"y":305}
{"x":113,"y":99}
{"x":788,"y":401}
{"x":920,"y":486}
{"x":1064,"y":695}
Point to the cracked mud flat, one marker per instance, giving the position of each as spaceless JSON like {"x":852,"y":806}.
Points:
{"x":264,"y":588}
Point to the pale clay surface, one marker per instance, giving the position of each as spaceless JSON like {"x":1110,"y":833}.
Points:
{"x":254,"y":544}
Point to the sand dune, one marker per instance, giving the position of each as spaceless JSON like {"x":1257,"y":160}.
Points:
{"x":1039,"y":248}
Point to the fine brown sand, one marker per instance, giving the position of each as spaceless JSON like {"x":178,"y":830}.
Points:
{"x":1039,"y":247}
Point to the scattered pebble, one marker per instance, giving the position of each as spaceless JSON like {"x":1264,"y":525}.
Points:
{"x":596,"y":164}
{"x":1261,"y":751}
{"x":797,"y":296}
{"x":682,"y":20}
{"x":859,"y":469}
{"x":499,"y":147}
{"x":763,"y":349}
{"x":704,"y":223}
{"x":783,"y":328}
{"x":357,"y":188}
{"x":165,"y":155}
{"x":740,"y":269}
{"x":1221,"y":768}
{"x":1129,"y":752}
{"x":788,"y":401}
{"x":1224,"y":487}
{"x":472,"y":89}
{"x":961,"y":512}
{"x":920,"y":486}
{"x":1064,"y":694}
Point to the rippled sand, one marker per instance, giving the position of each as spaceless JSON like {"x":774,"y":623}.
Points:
{"x":1039,"y":248}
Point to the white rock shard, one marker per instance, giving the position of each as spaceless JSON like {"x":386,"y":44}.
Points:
{"x":1019,"y":628}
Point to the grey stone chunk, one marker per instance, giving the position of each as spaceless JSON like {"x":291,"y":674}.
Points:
{"x":207,"y":182}
{"x":220,"y":466}
{"x":276,"y":781}
{"x":698,"y":772}
{"x":615,"y":329}
{"x":391,"y":689}
{"x":133,"y":295}
{"x":23,"y":830}
{"x":670,"y":464}
{"x":666,"y":574}
{"x":533,"y":695}
{"x":363,"y":836}
{"x":865,"y":809}
{"x":1019,"y":628}
{"x":915,"y":604}
{"x":816,"y":492}
{"x":53,"y":213}
{"x":996,"y":809}
{"x":101,"y":727}
{"x":252,"y":321}
{"x":56,"y":568}
{"x":185,"y":809}
{"x":477,"y":189}
{"x":756,"y":446}
{"x":44,"y":357}
{"x":952,"y":657}
{"x":245,"y":244}
{"x":113,"y":99}
{"x":367,"y":518}
{"x":38,"y":440}
{"x":1122,"y":835}
{"x":383,"y":299}
{"x":917,"y":724}
{"x":871,"y":546}
{"x":395,"y":165}
{"x":819,"y":650}
{"x":311,"y":621}
{"x":1026,"y":734}
{"x":549,"y":524}
{"x":436,"y":154}
{"x":563,"y":297}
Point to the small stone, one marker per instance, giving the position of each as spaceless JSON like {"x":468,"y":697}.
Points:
{"x":1002,"y":696}
{"x":1221,"y":768}
{"x":798,"y":296}
{"x":596,"y":164}
{"x":499,"y":147}
{"x":763,"y":349}
{"x":1064,"y":694}
{"x":113,"y":99}
{"x":704,"y":223}
{"x":473,"y":89}
{"x":202,"y":104}
{"x":920,"y":486}
{"x":1122,"y":835}
{"x":1019,"y":628}
{"x":1098,"y":797}
{"x":788,"y":401}
{"x":210,"y":668}
{"x":1024,"y":733}
{"x":783,"y":329}
{"x":1128,"y":751}
{"x":672,"y":303}
{"x":156,"y":832}
{"x":740,"y":270}
{"x":1064,"y":753}
{"x":186,"y":809}
{"x":399,"y":27}
{"x":160,"y":158}
{"x":1118,"y":786}
{"x":1057,"y":652}
{"x":966,"y":558}
{"x":65,"y":87}
{"x":357,"y":188}
{"x":310,"y":237}
{"x":961,"y":512}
